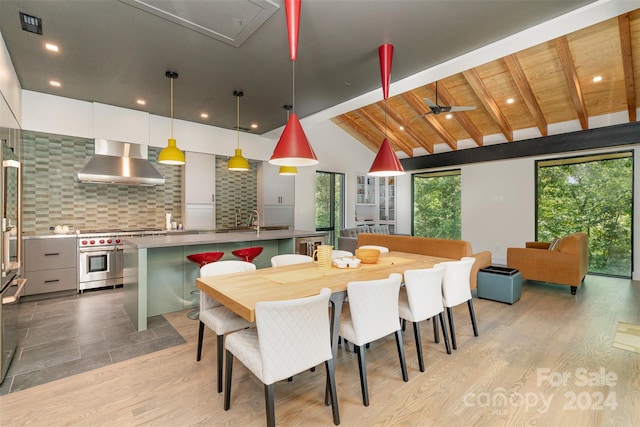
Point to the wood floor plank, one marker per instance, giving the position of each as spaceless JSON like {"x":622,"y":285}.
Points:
{"x":512,"y":374}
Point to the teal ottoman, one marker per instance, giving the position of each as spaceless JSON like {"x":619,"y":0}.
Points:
{"x":501,"y":284}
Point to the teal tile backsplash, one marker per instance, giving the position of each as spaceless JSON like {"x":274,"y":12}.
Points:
{"x":52,"y":194}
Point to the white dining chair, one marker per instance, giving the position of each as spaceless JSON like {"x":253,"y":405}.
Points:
{"x":371,"y":314}
{"x":289,"y":259}
{"x":217,"y":317}
{"x":301,"y":324}
{"x":338,"y":253}
{"x":382,"y":249}
{"x":421,"y":299}
{"x":456,"y":289}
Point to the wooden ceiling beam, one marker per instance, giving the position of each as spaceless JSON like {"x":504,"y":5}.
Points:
{"x":569,"y":68}
{"x":627,"y":64}
{"x":419,"y":140}
{"x":393,"y":138}
{"x":417,"y":103}
{"x":527,"y":93}
{"x":356,"y":130}
{"x":481,"y":91}
{"x":461,"y":117}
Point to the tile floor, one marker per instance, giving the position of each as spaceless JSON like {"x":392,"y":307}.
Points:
{"x":64,"y":336}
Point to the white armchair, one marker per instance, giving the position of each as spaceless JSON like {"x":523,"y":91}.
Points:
{"x":456,"y":290}
{"x":372,"y":313}
{"x":421,"y":299}
{"x":217,"y":317}
{"x":301,"y":324}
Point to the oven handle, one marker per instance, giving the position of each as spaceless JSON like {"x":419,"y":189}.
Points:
{"x":101,"y":249}
{"x":16,"y":296}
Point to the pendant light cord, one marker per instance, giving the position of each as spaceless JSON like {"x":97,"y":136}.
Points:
{"x":238,"y":118}
{"x":293,"y":100}
{"x":171,"y":107}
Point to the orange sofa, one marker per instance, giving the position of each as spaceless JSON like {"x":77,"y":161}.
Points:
{"x":445,"y":248}
{"x":566,"y":265}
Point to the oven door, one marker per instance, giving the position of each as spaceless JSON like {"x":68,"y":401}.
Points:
{"x":97,"y":267}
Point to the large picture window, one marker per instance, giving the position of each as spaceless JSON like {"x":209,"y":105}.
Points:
{"x":592,"y":194}
{"x":437,"y":204}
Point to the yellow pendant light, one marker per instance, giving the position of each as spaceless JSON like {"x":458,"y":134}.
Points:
{"x":288,"y":170}
{"x":237,"y":162}
{"x":171,"y":154}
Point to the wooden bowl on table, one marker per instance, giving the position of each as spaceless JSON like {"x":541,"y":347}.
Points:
{"x":368,"y":256}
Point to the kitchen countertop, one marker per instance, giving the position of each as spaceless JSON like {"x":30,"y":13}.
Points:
{"x":213,"y":237}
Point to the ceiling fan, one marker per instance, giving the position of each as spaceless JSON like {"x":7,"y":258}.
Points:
{"x":437,"y":109}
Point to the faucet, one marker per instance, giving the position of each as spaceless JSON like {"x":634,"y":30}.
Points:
{"x":238,"y":214}
{"x":257,"y":221}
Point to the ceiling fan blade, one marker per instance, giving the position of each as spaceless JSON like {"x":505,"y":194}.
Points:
{"x":460,"y":108}
{"x":429,"y":102}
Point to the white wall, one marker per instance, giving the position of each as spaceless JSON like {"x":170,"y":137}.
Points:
{"x":10,"y":90}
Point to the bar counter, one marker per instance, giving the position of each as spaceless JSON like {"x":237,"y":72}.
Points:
{"x":159,"y":279}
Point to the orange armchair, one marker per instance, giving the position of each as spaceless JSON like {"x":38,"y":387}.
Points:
{"x":566,"y":265}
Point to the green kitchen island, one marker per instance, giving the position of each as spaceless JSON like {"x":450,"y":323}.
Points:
{"x":159,"y":279}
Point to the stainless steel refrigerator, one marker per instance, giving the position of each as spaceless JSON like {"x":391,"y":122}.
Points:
{"x":11,"y":284}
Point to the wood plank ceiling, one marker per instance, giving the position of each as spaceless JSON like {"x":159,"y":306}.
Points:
{"x":548,"y":84}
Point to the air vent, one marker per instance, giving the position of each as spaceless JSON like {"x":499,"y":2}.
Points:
{"x":30,"y":23}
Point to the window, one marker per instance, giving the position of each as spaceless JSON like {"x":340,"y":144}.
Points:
{"x":330,"y":204}
{"x":437,"y":204}
{"x":592,"y":194}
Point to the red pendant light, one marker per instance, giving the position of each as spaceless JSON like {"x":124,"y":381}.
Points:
{"x":293,"y":148}
{"x":386,"y":162}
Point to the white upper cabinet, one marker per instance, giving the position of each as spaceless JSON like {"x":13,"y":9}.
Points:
{"x":199,"y":178}
{"x":274,"y":189}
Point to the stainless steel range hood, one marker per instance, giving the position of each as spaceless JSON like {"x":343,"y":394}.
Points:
{"x":118,"y":162}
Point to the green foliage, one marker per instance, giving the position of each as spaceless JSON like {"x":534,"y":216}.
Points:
{"x":436,"y":206}
{"x":595,"y":198}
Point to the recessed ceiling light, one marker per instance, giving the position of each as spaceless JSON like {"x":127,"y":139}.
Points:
{"x":510,"y":101}
{"x":401,"y":127}
{"x":204,"y":115}
{"x":55,"y":83}
{"x":597,"y":79}
{"x":254,"y":126}
{"x":141,"y":102}
{"x":52,"y":47}
{"x":448,"y":116}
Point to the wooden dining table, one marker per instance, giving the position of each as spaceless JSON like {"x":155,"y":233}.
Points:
{"x":241,"y":291}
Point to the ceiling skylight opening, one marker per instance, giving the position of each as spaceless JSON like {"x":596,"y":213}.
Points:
{"x":597,"y":79}
{"x":510,"y":101}
{"x":204,"y":116}
{"x":51,"y":47}
{"x":55,"y":83}
{"x":141,"y":102}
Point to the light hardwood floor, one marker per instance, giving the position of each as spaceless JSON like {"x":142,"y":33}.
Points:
{"x":529,"y":366}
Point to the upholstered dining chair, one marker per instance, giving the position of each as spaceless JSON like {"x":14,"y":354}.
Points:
{"x":217,"y":317}
{"x":421,"y":299}
{"x":338,"y":253}
{"x":289,"y":259}
{"x":371,"y":314}
{"x":382,"y":249}
{"x":301,"y":324}
{"x":456,"y":290}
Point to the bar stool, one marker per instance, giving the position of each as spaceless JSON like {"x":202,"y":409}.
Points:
{"x":201,"y":260}
{"x":248,"y":254}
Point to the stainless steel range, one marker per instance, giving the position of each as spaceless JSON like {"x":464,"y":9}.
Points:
{"x":101,"y":257}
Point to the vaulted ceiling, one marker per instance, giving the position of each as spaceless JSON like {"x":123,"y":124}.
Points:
{"x":529,"y":91}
